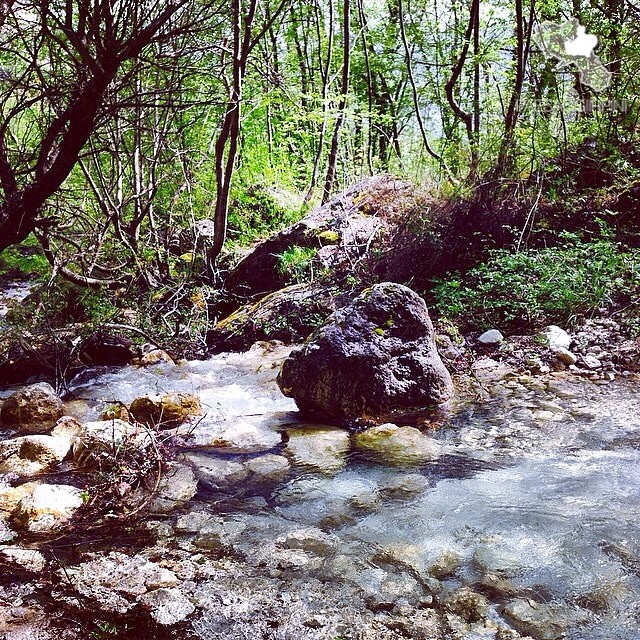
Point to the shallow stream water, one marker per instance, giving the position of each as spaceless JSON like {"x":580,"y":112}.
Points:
{"x":533,"y":497}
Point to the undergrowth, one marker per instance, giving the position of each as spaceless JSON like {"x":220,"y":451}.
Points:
{"x":522,"y":290}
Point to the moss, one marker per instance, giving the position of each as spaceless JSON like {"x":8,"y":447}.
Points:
{"x":329,"y":237}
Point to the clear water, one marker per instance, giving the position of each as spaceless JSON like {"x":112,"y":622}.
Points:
{"x":536,"y":491}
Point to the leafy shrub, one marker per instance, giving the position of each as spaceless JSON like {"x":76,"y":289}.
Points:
{"x":255,"y":212}
{"x":297,"y":263}
{"x":25,"y":260}
{"x":522,"y":290}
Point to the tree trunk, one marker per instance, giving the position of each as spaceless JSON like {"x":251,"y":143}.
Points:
{"x":344,"y":88}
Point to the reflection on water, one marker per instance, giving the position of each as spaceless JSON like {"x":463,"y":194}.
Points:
{"x":535,"y":494}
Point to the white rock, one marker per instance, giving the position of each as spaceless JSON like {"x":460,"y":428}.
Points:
{"x":48,"y":507}
{"x":555,"y":337}
{"x":29,"y":455}
{"x":323,"y":449}
{"x":116,"y":580}
{"x":6,"y":534}
{"x":29,"y":559}
{"x":106,"y":436}
{"x":591,"y":362}
{"x":488,"y":370}
{"x":168,"y":606}
{"x":491,"y":337}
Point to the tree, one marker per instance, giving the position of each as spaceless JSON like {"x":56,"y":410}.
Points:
{"x":342,"y":103}
{"x":71,"y":58}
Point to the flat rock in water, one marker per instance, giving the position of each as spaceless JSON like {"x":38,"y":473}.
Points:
{"x":243,"y":437}
{"x":177,"y":486}
{"x":323,"y":449}
{"x":214,"y":472}
{"x":535,"y":618}
{"x":397,"y":445}
{"x":267,"y":468}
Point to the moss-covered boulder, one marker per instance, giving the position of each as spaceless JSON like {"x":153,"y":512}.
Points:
{"x":289,"y":315}
{"x":341,"y":231}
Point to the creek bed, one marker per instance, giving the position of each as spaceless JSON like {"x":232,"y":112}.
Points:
{"x":525,"y":523}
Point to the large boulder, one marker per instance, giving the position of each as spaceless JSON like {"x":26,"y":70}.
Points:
{"x":372,"y":361}
{"x":341,"y":231}
{"x":33,"y":409}
{"x":289,"y":314}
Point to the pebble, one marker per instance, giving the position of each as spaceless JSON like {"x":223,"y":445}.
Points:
{"x":491,"y":337}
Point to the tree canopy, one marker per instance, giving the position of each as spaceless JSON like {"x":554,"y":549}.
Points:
{"x":126,"y":125}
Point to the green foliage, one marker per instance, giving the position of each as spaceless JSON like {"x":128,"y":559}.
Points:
{"x":25,"y":260}
{"x":255,"y":212}
{"x":60,"y":303}
{"x":297,"y":263}
{"x":522,"y":290}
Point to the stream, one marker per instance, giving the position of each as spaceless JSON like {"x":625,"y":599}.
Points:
{"x":534,"y":496}
{"x":526,"y":521}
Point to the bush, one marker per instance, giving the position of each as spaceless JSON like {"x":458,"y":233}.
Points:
{"x":255,"y":212}
{"x":526,"y":289}
{"x":25,"y":260}
{"x":297,"y":264}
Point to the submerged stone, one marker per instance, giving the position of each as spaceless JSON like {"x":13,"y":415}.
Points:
{"x":323,"y":449}
{"x":537,"y":619}
{"x":397,"y":445}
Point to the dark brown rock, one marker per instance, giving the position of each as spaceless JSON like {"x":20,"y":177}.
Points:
{"x":372,"y":361}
